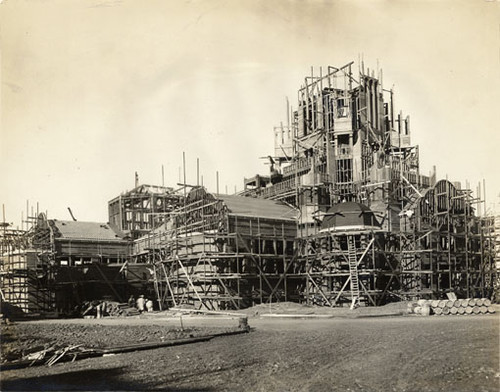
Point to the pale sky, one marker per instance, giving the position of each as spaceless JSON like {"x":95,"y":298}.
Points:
{"x":92,"y":91}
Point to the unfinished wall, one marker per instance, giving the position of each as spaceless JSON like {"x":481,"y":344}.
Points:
{"x":135,"y":213}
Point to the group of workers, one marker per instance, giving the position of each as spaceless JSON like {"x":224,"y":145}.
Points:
{"x":142,"y":304}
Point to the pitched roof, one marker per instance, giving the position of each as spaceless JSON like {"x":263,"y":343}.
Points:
{"x":262,"y":208}
{"x":349,"y":215}
{"x":84,"y":230}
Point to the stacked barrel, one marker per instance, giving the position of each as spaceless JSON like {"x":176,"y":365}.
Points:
{"x":445,"y":307}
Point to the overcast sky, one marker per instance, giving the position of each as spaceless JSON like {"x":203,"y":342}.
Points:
{"x":93,"y":91}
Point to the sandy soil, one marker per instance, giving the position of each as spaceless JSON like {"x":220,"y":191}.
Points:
{"x":452,"y":353}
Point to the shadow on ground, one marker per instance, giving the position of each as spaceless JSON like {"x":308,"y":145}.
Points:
{"x":82,"y":380}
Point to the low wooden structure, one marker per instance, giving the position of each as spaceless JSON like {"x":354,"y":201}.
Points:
{"x":226,"y":252}
{"x":57,"y":265}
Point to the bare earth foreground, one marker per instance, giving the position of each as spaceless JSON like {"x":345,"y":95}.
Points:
{"x":398,"y":353}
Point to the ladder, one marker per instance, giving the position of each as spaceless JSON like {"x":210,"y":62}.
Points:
{"x":353,"y":270}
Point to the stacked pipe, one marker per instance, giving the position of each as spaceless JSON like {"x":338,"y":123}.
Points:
{"x":445,"y":307}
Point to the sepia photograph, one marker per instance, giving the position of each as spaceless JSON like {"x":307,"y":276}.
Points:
{"x":252,"y":195}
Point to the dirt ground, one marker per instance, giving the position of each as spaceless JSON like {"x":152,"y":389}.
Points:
{"x":24,"y":338}
{"x":392,"y":353}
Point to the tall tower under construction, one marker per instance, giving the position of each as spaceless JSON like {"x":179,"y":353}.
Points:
{"x":343,"y":143}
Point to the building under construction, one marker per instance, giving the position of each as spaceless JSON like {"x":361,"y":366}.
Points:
{"x":344,"y":217}
{"x":135,"y":213}
{"x":370,"y":227}
{"x":54,"y":266}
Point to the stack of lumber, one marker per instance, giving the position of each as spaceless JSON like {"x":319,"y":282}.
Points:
{"x":108,"y":308}
{"x":116,"y":309}
{"x":451,"y":307}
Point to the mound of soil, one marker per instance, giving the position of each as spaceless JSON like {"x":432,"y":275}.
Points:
{"x":293,"y":308}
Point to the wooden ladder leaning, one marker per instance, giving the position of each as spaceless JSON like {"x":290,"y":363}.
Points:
{"x":353,"y":270}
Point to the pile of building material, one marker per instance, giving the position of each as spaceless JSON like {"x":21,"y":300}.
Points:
{"x":116,"y":309}
{"x":50,"y":355}
{"x":108,"y":308}
{"x":466,"y":306}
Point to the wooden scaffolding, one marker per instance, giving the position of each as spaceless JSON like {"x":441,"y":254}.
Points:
{"x":223,"y":253}
{"x":26,"y":281}
{"x":348,"y":267}
{"x":445,"y":247}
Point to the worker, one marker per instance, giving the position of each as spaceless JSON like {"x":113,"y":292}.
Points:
{"x":140,"y":303}
{"x":131,"y":301}
{"x":149,"y":305}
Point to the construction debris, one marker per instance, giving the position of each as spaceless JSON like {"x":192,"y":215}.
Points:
{"x":100,"y":309}
{"x":52,"y":355}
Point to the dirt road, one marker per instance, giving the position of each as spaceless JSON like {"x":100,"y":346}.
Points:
{"x":366,"y":354}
